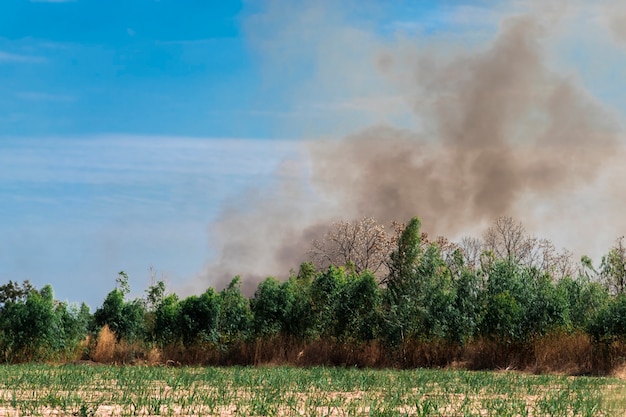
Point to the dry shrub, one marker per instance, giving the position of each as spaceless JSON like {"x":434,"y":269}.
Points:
{"x":320,"y":352}
{"x":437,"y":353}
{"x":485,"y":353}
{"x":154,"y":356}
{"x":278,"y":350}
{"x":82,"y":349}
{"x":196,"y":354}
{"x":106,"y":342}
{"x":571,"y":354}
{"x":134,"y":353}
{"x":238,"y":353}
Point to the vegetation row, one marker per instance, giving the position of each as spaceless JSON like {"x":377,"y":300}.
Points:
{"x":367,"y":298}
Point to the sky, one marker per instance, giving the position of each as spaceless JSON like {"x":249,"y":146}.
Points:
{"x":147,"y":133}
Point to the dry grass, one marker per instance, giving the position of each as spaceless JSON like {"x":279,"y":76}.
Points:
{"x":571,"y":354}
{"x":104,"y":351}
{"x":559,"y":352}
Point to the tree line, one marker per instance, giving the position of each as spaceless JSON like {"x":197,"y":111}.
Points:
{"x":363,"y":287}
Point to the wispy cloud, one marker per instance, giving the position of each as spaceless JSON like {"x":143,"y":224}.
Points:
{"x":8,"y":57}
{"x":40,"y":96}
{"x":188,"y":42}
{"x":53,"y":1}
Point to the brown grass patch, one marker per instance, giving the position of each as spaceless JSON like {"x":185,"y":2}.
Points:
{"x":571,"y":354}
{"x":104,"y":350}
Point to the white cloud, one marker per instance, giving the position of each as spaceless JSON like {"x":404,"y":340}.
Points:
{"x":39,"y":96}
{"x":7,"y":57}
{"x":53,"y":1}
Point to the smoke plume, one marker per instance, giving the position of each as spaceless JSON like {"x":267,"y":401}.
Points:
{"x":495,"y":132}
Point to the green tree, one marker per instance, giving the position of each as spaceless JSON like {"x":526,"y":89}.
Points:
{"x":609,"y":324}
{"x":298,"y":314}
{"x":504,"y":299}
{"x":358,"y":312}
{"x":167,"y":330}
{"x":235,"y":321}
{"x":13,"y":292}
{"x":403,"y":259}
{"x":466,"y":313}
{"x":122,"y":283}
{"x":269,"y":306}
{"x":326,"y":291}
{"x":585,"y":298}
{"x":27,"y":326}
{"x":199,"y":318}
{"x":613,"y":268}
{"x":521,"y":302}
{"x":125,"y":319}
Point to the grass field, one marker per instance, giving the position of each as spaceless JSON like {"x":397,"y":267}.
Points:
{"x":81,"y":390}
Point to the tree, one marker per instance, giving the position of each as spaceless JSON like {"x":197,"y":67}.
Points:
{"x":299,"y":320}
{"x":472,"y":249}
{"x":199,"y":318}
{"x":28,"y":326}
{"x":404,"y":258}
{"x":155,"y":294}
{"x":507,"y":240}
{"x":359,"y":308}
{"x":584,"y":298}
{"x":13,"y":292}
{"x":167,"y":330}
{"x":363,"y":244}
{"x":269,"y":307}
{"x":326,"y":292}
{"x":613,"y":268}
{"x":235,"y":319}
{"x":122,"y":283}
{"x":420,"y":294}
{"x":125,"y":318}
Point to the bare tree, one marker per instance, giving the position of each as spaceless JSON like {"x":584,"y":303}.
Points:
{"x":544,"y":256}
{"x":363,"y":244}
{"x":472,"y":248}
{"x":507,"y":239}
{"x":613,"y":268}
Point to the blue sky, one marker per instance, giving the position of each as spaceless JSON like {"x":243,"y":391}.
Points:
{"x":125,"y":125}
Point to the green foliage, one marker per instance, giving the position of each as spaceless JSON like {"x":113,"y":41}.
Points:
{"x":404,"y":258}
{"x":298,"y":314}
{"x":235,"y":321}
{"x":326,"y":290}
{"x":521,"y":303}
{"x":429,"y":295}
{"x":154,"y":295}
{"x":613,"y":268}
{"x":585,"y":299}
{"x":609,"y":323}
{"x":269,"y":306}
{"x":466,"y":313}
{"x":13,"y":292}
{"x":199,"y":318}
{"x":122,"y":283}
{"x":34,"y":326}
{"x":359,"y":308}
{"x":166,"y":330}
{"x":125,"y":319}
{"x":421,"y":297}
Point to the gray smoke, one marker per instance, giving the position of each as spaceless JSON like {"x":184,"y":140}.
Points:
{"x":497,"y":128}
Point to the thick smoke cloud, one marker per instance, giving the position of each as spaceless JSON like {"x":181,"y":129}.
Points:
{"x":494,"y":128}
{"x":500,"y":125}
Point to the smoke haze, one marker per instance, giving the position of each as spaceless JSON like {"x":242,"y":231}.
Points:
{"x":463,"y":135}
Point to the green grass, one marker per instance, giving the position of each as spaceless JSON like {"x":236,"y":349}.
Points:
{"x":154,"y":391}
